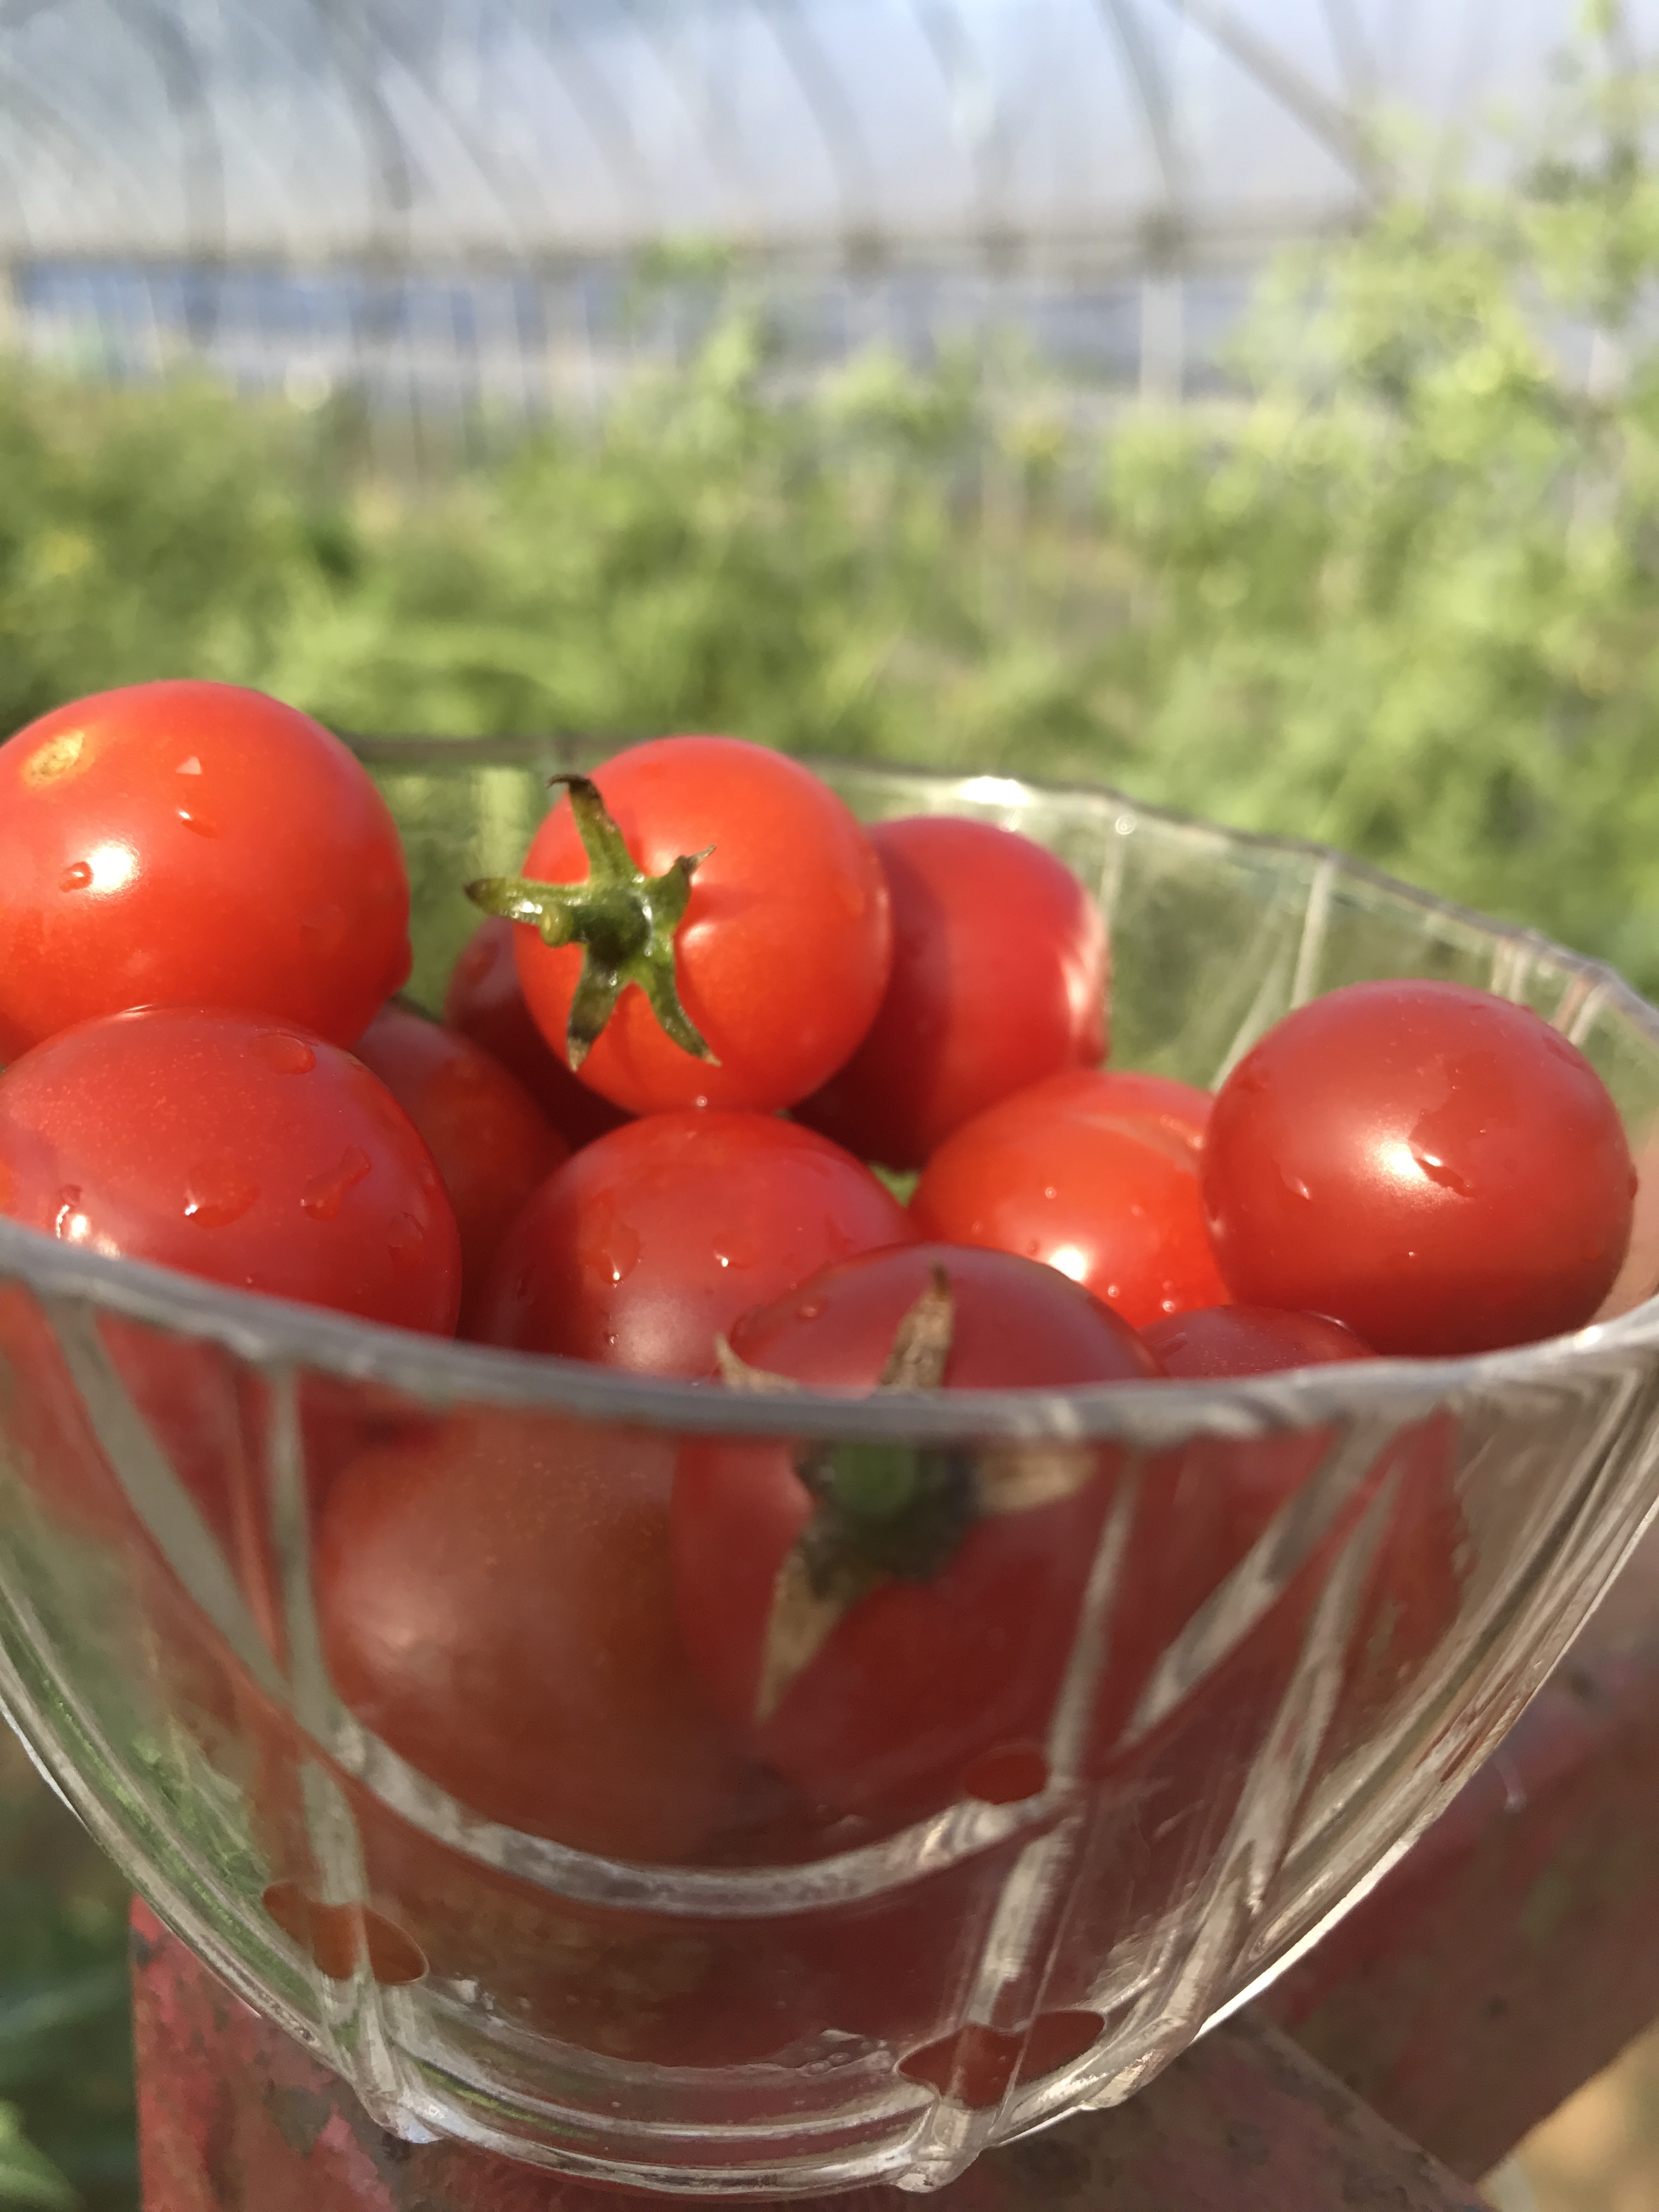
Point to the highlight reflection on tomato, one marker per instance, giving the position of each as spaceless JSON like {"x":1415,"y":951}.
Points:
{"x":1062,"y":1173}
{"x":197,"y":844}
{"x":1431,"y":1164}
{"x":650,"y":1240}
{"x":998,"y":980}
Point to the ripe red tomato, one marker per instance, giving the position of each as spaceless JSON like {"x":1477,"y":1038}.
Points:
{"x":1214,"y":1341}
{"x":233,"y":1146}
{"x":1180,"y":1110}
{"x":940,"y":1675}
{"x":1000,"y":978}
{"x":783,"y":951}
{"x":1062,"y":1173}
{"x":495,"y":1603}
{"x":647,"y":1243}
{"x":1431,"y":1165}
{"x":484,"y":1002}
{"x":489,"y":1139}
{"x":197,"y":844}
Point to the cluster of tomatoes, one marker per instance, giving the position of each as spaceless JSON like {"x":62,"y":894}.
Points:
{"x":643,"y":1135}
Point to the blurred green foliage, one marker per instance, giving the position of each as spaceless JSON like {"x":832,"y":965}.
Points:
{"x":66,"y":2121}
{"x":1398,"y":592}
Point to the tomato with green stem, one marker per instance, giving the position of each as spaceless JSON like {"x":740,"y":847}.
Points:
{"x":891,"y":1625}
{"x":484,"y":1001}
{"x":710,"y":927}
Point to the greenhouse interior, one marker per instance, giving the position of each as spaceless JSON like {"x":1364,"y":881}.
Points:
{"x":1252,"y":405}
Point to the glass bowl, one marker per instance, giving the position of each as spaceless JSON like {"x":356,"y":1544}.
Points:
{"x":801,"y":2007}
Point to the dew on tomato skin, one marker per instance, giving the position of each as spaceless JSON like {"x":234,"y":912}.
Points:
{"x":809,"y":1309}
{"x":325,"y":1195}
{"x":75,"y":876}
{"x":217,"y":1193}
{"x":407,"y":1239}
{"x":203,"y":824}
{"x":1439,"y":1171}
{"x":284,"y":1054}
{"x":608,"y":1247}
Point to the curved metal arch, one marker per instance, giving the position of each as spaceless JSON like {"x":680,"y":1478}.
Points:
{"x":602,"y":113}
{"x":391,"y":172}
{"x":1352,"y":48}
{"x":1320,"y":116}
{"x":485,"y":164}
{"x":955,"y":55}
{"x":1152,"y":89}
{"x":49,"y":124}
{"x":202,"y":168}
{"x":832,"y":112}
{"x":722,"y":148}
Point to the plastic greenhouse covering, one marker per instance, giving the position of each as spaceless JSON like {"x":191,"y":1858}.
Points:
{"x":278,"y":180}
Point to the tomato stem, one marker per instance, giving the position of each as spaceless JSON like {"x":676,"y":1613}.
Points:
{"x":624,"y":921}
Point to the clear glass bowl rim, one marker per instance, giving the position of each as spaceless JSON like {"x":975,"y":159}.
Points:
{"x":275,"y":1333}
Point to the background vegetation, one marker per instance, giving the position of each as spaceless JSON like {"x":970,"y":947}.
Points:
{"x":1398,"y":589}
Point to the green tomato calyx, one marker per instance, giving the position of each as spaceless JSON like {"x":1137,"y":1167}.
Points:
{"x":624,"y":921}
{"x":890,"y":1512}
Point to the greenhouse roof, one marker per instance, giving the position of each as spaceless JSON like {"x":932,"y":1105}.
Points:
{"x":1100,"y":133}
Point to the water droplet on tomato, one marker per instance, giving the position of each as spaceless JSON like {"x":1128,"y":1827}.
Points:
{"x":190,"y":766}
{"x":724,"y":1259}
{"x":608,"y":1247}
{"x":325,"y":1195}
{"x":285,"y":1054}
{"x":203,"y":824}
{"x":70,"y":1224}
{"x":809,"y":1309}
{"x":1439,"y":1171}
{"x":407,"y":1239}
{"x":217,"y":1193}
{"x":1047,"y":1190}
{"x":75,"y":876}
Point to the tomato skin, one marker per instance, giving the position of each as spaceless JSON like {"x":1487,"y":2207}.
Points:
{"x":784,"y":951}
{"x":1433,"y":1165}
{"x":650,"y":1241}
{"x":1000,"y":978}
{"x":1213,"y":1342}
{"x":495,"y":1603}
{"x":194,"y":844}
{"x":484,"y":1002}
{"x":920,"y":1683}
{"x":236,"y":1147}
{"x":490,"y":1140}
{"x":1058,"y":1174}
